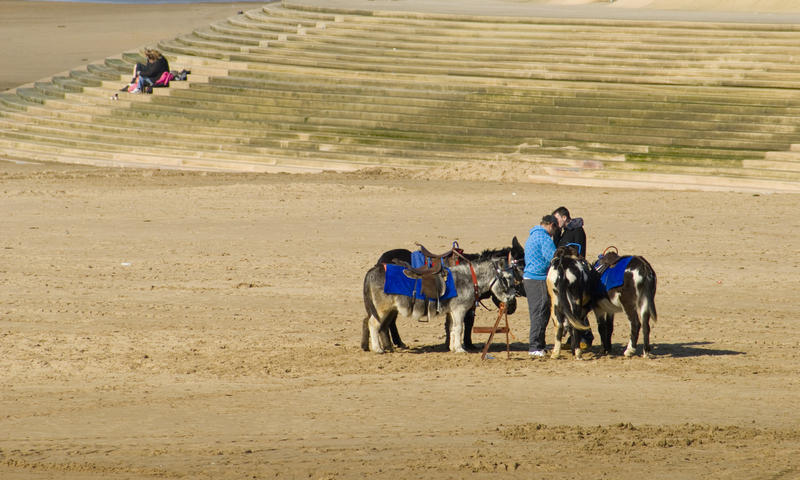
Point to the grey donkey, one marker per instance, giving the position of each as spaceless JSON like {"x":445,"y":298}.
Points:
{"x":492,"y":275}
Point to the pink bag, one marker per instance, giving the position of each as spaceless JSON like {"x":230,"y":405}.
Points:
{"x":163,"y":80}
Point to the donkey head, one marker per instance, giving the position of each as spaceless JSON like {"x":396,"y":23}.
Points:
{"x":504,"y":286}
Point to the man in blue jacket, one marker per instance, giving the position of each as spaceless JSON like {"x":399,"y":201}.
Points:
{"x":539,"y":250}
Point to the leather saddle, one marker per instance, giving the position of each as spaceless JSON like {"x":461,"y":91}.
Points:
{"x":449,"y":258}
{"x":608,"y":259}
{"x":434,"y":278}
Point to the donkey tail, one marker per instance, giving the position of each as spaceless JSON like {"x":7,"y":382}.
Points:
{"x":578,"y":325}
{"x":649,"y":290}
{"x":369,"y":304}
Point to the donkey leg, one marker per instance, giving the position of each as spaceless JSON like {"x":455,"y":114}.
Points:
{"x":469,"y":322}
{"x":633,"y":317}
{"x":645,"y":316}
{"x":392,"y":322}
{"x":575,"y":342}
{"x":559,"y":321}
{"x":374,"y":336}
{"x":457,"y":333}
{"x":386,"y":341}
{"x":448,"y":325}
{"x":365,"y":334}
{"x":605,"y":326}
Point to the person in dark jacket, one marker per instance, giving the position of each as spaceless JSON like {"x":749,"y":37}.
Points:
{"x":150,"y":72}
{"x":570,"y":231}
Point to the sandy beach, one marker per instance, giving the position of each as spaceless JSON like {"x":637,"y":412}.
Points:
{"x":190,"y":325}
{"x":186,"y":325}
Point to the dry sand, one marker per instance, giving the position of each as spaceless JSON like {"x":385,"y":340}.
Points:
{"x":188,"y":325}
{"x":184,"y":325}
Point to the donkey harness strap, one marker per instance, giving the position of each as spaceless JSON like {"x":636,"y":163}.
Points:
{"x":475,"y":284}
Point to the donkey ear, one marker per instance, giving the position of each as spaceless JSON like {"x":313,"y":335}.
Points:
{"x":515,"y":244}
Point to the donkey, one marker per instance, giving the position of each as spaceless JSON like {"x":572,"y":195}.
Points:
{"x":400,"y":255}
{"x":491,"y":275}
{"x":636,"y":297}
{"x":570,"y":286}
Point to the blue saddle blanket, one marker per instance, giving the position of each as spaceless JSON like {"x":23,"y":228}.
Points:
{"x":397,"y":283}
{"x":614,"y":277}
{"x":418,"y":259}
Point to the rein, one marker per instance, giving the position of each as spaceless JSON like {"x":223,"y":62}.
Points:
{"x":461,"y":256}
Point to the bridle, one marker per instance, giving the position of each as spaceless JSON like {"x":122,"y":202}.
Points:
{"x":498,"y":274}
{"x":511,"y":266}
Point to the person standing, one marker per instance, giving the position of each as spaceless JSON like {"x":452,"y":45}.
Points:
{"x":539,"y":250}
{"x":570,"y":232}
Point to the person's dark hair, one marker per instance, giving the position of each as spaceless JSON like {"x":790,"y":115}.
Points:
{"x":562,"y":211}
{"x":152,"y":54}
{"x":549,"y":220}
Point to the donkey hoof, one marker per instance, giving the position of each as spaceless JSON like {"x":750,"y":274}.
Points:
{"x":629,"y":353}
{"x":647,"y":355}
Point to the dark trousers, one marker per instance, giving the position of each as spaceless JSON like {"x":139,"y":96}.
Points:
{"x":539,"y":311}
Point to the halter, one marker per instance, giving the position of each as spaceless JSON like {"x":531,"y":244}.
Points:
{"x":498,"y":275}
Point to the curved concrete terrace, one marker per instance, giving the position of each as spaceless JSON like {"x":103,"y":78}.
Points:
{"x":504,"y":11}
{"x":742,"y":11}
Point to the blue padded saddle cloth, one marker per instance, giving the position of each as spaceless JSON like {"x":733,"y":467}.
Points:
{"x":398,"y":284}
{"x":614,"y":277}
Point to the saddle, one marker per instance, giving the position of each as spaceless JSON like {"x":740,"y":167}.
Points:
{"x":607,"y":259}
{"x":434,"y":278}
{"x":450,"y":257}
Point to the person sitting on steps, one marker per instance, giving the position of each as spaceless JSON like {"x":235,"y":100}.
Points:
{"x":145,"y":75}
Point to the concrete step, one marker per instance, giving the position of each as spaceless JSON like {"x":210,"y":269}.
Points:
{"x":787,"y":165}
{"x":420,"y":119}
{"x":766,"y":65}
{"x":48,"y":153}
{"x":341,"y":153}
{"x":565,"y":24}
{"x":789,"y":156}
{"x":620,"y":64}
{"x":510,"y":87}
{"x":620,"y":114}
{"x":335,"y":150}
{"x":122,"y":126}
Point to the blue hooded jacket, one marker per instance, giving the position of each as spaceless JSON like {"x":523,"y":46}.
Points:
{"x":539,"y":250}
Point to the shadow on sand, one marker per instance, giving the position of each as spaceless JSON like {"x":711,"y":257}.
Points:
{"x":690,"y":349}
{"x":673,"y":350}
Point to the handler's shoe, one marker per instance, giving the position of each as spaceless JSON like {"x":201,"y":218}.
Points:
{"x":536,"y":353}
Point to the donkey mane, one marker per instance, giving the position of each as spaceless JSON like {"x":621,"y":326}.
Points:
{"x":491,"y":253}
